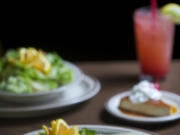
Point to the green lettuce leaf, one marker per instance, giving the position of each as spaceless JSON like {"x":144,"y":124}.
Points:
{"x":86,"y":131}
{"x":21,"y":78}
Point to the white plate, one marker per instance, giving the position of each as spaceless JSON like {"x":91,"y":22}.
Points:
{"x":81,"y":92}
{"x":171,"y":98}
{"x":29,"y":98}
{"x":109,"y":130}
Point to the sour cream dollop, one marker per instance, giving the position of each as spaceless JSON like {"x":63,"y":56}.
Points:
{"x":143,"y":92}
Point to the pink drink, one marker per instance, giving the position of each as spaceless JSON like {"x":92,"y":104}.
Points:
{"x":154,"y":41}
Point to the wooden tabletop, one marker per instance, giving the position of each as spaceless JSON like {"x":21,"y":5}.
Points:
{"x":115,"y":77}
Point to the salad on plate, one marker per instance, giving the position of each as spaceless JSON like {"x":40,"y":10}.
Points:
{"x":60,"y":127}
{"x":28,"y":70}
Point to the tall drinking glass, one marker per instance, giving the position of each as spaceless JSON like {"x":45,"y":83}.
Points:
{"x":154,"y":43}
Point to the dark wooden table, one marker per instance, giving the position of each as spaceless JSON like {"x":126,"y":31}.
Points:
{"x":115,"y":77}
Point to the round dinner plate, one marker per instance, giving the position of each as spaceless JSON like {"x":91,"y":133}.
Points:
{"x":83,"y":91}
{"x":168,"y":97}
{"x":31,"y":98}
{"x":109,"y":130}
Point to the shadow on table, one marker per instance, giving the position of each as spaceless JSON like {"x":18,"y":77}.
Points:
{"x":109,"y":119}
{"x":43,"y":118}
{"x":118,"y":79}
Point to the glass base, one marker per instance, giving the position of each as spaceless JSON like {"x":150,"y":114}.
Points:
{"x":151,"y":78}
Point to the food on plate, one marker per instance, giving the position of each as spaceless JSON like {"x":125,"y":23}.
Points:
{"x":151,"y":108}
{"x":146,"y":99}
{"x":28,"y":70}
{"x":60,"y":127}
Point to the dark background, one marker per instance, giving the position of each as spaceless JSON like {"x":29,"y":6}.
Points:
{"x":95,"y":31}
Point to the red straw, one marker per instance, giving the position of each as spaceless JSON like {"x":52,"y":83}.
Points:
{"x":153,"y":7}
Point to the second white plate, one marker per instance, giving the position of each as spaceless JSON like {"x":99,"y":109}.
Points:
{"x":171,"y":98}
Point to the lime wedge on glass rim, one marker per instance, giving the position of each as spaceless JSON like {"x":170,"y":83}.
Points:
{"x":172,"y":10}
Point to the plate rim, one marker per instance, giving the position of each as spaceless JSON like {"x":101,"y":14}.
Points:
{"x":93,"y":92}
{"x":137,"y":119}
{"x":105,"y":127}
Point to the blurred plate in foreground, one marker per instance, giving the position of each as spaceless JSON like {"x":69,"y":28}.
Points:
{"x":109,"y":130}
